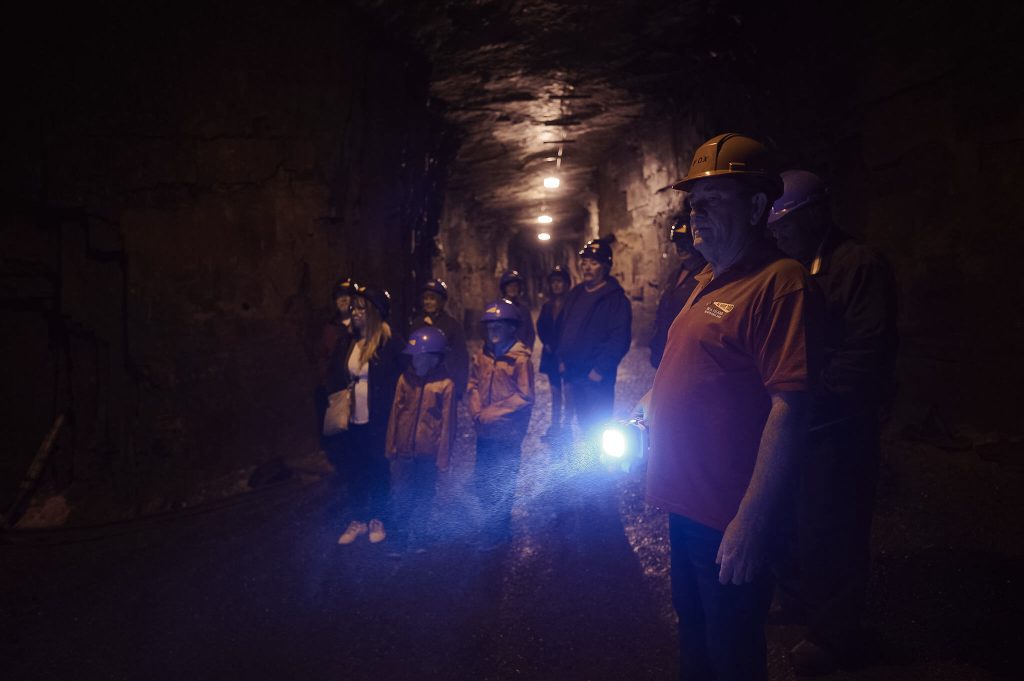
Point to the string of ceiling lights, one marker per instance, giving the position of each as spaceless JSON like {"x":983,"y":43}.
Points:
{"x":552,"y":181}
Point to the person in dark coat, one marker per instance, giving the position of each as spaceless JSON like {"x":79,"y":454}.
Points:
{"x":513,"y":288}
{"x":434,"y":296}
{"x":369,"y":360}
{"x":594,"y":333}
{"x":677,"y":290}
{"x":559,"y":283}
{"x":828,"y":574}
{"x":335,"y":331}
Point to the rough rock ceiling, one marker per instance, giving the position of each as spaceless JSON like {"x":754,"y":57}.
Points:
{"x":524,"y":80}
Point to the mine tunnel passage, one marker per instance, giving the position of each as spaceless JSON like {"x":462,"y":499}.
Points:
{"x":183,"y":188}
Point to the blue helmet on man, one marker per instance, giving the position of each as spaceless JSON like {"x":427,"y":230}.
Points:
{"x":800,"y":188}
{"x":436,"y":286}
{"x":510,"y":277}
{"x":599,"y":250}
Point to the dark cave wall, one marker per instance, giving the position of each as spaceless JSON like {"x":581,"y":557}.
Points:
{"x":919,"y":124}
{"x":180,"y":198}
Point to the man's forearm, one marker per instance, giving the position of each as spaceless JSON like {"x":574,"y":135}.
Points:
{"x":783,"y":435}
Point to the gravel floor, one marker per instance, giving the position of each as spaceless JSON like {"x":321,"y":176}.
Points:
{"x":256,"y":587}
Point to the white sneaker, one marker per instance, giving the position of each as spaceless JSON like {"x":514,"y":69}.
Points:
{"x":377,"y":533}
{"x":354,"y":530}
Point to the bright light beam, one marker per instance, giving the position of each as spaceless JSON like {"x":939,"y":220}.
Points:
{"x":613,"y":443}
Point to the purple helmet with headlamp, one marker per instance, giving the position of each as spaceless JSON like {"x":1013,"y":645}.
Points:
{"x":599,"y":250}
{"x":436,"y":286}
{"x":510,"y":277}
{"x":378,"y":297}
{"x":501,"y":310}
{"x":426,"y":339}
{"x":800,"y":188}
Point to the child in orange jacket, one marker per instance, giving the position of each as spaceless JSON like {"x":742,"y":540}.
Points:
{"x":420,"y":430}
{"x":501,"y":396}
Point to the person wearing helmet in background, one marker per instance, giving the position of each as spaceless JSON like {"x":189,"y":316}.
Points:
{"x":433,"y":298}
{"x":559,"y":283}
{"x":594,"y":334}
{"x":335,"y":331}
{"x":369,"y":363}
{"x":828,"y":574}
{"x":680,"y":285}
{"x":513,"y":287}
{"x":500,"y":398}
{"x":728,"y":410}
{"x":420,"y":431}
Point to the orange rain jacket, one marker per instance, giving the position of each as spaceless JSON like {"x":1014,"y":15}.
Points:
{"x":421,"y":417}
{"x":500,"y":392}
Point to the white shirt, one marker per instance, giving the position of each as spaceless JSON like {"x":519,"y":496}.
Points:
{"x":361,"y":391}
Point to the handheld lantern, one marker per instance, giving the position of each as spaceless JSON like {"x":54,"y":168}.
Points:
{"x":624,"y":444}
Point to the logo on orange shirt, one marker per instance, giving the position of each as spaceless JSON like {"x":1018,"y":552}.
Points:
{"x":718,"y":310}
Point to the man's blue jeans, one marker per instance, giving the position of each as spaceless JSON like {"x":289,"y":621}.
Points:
{"x":721,"y":627}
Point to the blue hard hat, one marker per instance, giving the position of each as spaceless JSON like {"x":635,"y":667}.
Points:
{"x":800,"y":188}
{"x":599,"y":250}
{"x":680,"y":231}
{"x":559,"y":272}
{"x":508,"y":277}
{"x":436,"y":286}
{"x":501,"y":310}
{"x":426,"y":339}
{"x":378,"y":297}
{"x":343,"y":287}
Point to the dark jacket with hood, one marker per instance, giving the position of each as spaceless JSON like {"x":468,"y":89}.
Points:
{"x":594,"y":331}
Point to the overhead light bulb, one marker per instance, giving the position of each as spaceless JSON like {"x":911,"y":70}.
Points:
{"x":544,"y":236}
{"x":552,"y":182}
{"x":545,"y":219}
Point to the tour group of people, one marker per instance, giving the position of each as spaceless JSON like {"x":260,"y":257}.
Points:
{"x":774,"y":345}
{"x":400,"y":396}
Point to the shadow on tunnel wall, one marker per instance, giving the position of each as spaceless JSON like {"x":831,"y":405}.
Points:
{"x":182,"y":187}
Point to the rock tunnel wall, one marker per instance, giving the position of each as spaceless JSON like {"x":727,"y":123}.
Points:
{"x":181,"y":198}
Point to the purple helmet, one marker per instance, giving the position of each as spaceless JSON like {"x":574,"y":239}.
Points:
{"x":508,"y":277}
{"x":379,"y":297}
{"x":599,"y":250}
{"x":559,"y":272}
{"x":426,"y":339}
{"x":501,"y":310}
{"x":344,"y":287}
{"x":436,"y":286}
{"x":680,"y":231}
{"x":801,"y":188}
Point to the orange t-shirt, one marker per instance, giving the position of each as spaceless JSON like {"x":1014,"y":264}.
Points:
{"x":751,"y":332}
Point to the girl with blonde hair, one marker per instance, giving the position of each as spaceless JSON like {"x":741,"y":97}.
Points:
{"x":370,"y":364}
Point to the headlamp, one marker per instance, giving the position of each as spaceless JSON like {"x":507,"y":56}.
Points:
{"x":624,"y":444}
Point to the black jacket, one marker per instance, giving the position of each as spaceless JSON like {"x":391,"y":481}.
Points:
{"x":594,"y":331}
{"x":547,"y":331}
{"x":860,"y":328}
{"x":457,"y":359}
{"x":385,"y":368}
{"x":673,"y":297}
{"x":525,"y":332}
